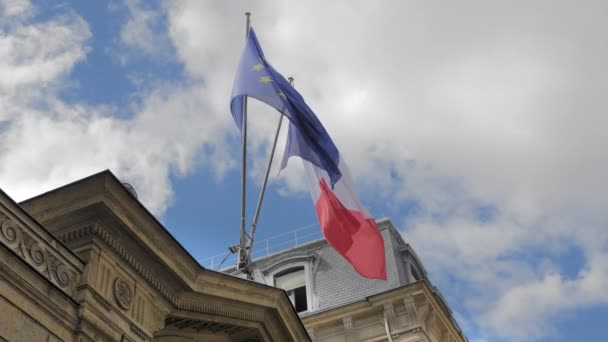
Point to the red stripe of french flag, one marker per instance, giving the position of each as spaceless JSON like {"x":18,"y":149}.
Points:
{"x":345,"y":222}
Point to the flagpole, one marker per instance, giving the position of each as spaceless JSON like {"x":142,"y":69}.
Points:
{"x":264,"y":184}
{"x":242,"y":261}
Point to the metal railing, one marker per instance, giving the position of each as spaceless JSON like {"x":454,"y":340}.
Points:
{"x":262,"y":248}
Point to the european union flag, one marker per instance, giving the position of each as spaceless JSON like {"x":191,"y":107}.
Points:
{"x":307,"y":138}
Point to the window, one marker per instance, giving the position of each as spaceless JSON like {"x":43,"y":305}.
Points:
{"x":293,"y":281}
{"x":415,"y":273}
{"x":294,"y":272}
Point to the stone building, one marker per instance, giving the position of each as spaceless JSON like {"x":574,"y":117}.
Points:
{"x":87,"y":262}
{"x":337,"y":304}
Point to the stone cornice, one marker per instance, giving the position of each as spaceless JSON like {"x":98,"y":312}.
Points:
{"x":183,"y":301}
{"x":99,"y":208}
{"x":218,"y":310}
{"x":146,"y":228}
{"x":439,"y":311}
{"x":430,"y":309}
{"x":362,"y":305}
{"x":94,"y":229}
{"x":99,"y":298}
{"x":104,"y":191}
{"x":141,"y":333}
{"x":39,"y":252}
{"x":273,"y":329}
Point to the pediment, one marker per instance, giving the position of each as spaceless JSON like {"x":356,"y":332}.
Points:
{"x":123,"y":243}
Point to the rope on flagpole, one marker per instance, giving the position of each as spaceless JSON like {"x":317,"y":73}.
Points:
{"x":242,"y":260}
{"x":264,"y":184}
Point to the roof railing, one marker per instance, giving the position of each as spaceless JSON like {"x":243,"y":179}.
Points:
{"x":262,"y":248}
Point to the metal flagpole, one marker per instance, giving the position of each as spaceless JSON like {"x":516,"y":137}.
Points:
{"x":263,"y":191}
{"x":242,"y":261}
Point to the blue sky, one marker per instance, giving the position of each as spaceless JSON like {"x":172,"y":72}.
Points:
{"x":477,"y":128}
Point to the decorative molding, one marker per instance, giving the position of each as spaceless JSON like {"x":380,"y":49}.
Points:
{"x":309,"y":260}
{"x":390,"y":316}
{"x":219,"y":311}
{"x":316,"y":261}
{"x":423,"y":311}
{"x":139,"y":332}
{"x":412,"y":312}
{"x":97,"y":230}
{"x":289,"y":258}
{"x":159,"y":320}
{"x":272,"y":329}
{"x":94,"y":229}
{"x":348,"y":322}
{"x":430,"y":320}
{"x":418,"y":318}
{"x":351,"y":334}
{"x":38,"y":254}
{"x":99,"y":298}
{"x":123,"y":294}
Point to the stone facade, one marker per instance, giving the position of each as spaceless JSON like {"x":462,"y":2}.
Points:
{"x":343,"y":306}
{"x":410,"y":313}
{"x":87,"y":262}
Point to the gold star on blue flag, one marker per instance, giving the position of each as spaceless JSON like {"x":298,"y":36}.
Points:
{"x":307,"y":138}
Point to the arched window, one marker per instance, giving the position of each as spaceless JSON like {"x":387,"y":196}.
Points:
{"x":295,"y":272}
{"x":293,"y":281}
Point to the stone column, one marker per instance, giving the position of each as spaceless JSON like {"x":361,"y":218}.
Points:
{"x":350,"y":333}
{"x":430,"y":320}
{"x":391,"y":317}
{"x":412,"y":312}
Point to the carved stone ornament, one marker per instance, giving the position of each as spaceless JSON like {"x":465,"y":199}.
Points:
{"x":36,"y":253}
{"x":123,"y":293}
{"x":159,"y":320}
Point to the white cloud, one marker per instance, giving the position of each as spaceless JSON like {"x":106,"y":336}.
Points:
{"x":12,"y":9}
{"x":47,"y":142}
{"x":66,"y":143}
{"x":144,"y":33}
{"x":524,"y":308}
{"x":455,"y":106}
{"x":39,"y":54}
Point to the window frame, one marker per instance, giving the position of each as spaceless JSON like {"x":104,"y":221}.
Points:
{"x":289,"y":271}
{"x":287,"y":265}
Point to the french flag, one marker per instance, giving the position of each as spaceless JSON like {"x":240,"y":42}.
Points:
{"x":345,"y":222}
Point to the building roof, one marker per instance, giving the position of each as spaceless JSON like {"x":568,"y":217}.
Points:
{"x":101,"y":207}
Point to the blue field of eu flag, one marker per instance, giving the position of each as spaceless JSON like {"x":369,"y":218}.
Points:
{"x":307,"y":138}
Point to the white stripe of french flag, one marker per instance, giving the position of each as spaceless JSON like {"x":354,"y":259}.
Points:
{"x":346,"y":224}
